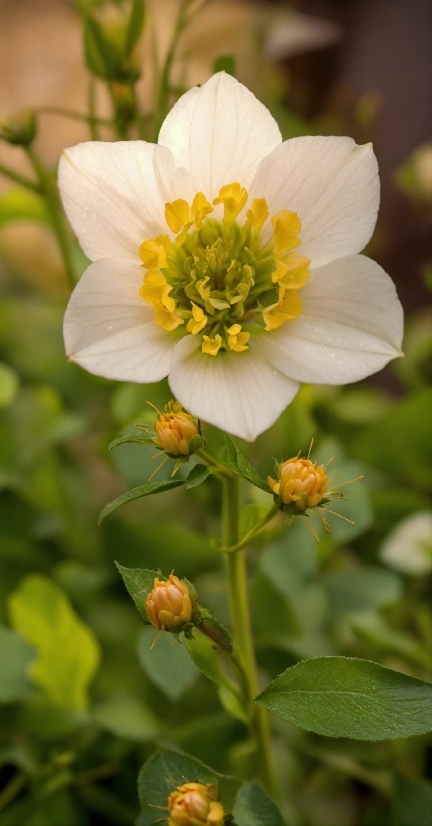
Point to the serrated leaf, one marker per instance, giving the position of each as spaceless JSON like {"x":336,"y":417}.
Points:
{"x":15,"y":656}
{"x":253,"y":807}
{"x":68,"y":650}
{"x":138,"y":493}
{"x":235,"y":461}
{"x":347,"y":697}
{"x":135,"y":26}
{"x":130,"y":438}
{"x":197,"y":476}
{"x":139,"y":583}
{"x":202,"y":652}
{"x":167,"y":769}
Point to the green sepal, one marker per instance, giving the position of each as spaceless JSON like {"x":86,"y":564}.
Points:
{"x":137,"y":493}
{"x":101,"y":58}
{"x":135,"y":26}
{"x":217,"y":632}
{"x":130,"y":438}
{"x":206,"y":657}
{"x":235,"y":461}
{"x":139,"y":584}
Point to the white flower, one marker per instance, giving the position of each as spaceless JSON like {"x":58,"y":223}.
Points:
{"x":253,"y":281}
{"x":408,"y":547}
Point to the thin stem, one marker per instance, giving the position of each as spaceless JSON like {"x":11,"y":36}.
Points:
{"x":236,"y":564}
{"x":92,"y":119}
{"x":48,"y":187}
{"x":13,"y":788}
{"x":220,"y":471}
{"x":252,"y":533}
{"x":19,"y":179}
{"x":67,"y":113}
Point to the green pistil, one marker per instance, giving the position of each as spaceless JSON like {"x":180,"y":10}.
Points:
{"x":223,"y":269}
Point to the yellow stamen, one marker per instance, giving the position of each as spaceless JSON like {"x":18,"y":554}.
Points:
{"x":153,"y":253}
{"x":168,"y":319}
{"x":286,"y":227}
{"x":234,"y":198}
{"x":211,"y":345}
{"x":200,"y":208}
{"x":291,"y":271}
{"x":177,"y":214}
{"x":286,"y":309}
{"x":258,"y":213}
{"x":236,"y":339}
{"x":198,"y":320}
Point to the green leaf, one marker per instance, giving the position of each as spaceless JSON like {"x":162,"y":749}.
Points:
{"x":138,"y":493}
{"x":345,"y":697}
{"x":135,"y":26}
{"x":130,"y":438}
{"x":15,"y":656}
{"x":167,"y":769}
{"x":126,"y":716}
{"x":412,"y":802}
{"x":68,"y":651}
{"x":253,"y":807}
{"x":225,"y":63}
{"x":197,"y":476}
{"x":21,"y":205}
{"x":167,"y":663}
{"x":236,"y":462}
{"x":202,"y":652}
{"x":139,"y":583}
{"x":9,"y":385}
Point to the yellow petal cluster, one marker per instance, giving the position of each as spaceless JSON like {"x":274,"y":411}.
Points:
{"x":237,"y":340}
{"x":194,"y":804}
{"x":169,"y":605}
{"x":301,"y":482}
{"x":175,"y":431}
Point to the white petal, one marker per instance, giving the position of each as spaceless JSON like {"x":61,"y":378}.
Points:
{"x":110,"y":330}
{"x":238,"y":392}
{"x":219,"y":132}
{"x":408,"y":547}
{"x":350,"y":327}
{"x":332,"y":184}
{"x":112,"y":195}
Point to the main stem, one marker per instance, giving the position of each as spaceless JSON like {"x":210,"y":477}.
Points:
{"x":243,"y":639}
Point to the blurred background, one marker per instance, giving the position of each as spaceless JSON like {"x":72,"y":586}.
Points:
{"x":70,"y":757}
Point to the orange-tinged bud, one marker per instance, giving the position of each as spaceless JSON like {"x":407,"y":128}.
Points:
{"x":169,"y":604}
{"x":178,"y":432}
{"x":194,"y":804}
{"x":300,"y":481}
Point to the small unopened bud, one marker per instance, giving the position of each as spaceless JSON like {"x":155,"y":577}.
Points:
{"x":300,"y":482}
{"x":20,"y":130}
{"x":169,"y":604}
{"x":178,"y":431}
{"x":194,"y":804}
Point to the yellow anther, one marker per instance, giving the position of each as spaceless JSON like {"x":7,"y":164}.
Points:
{"x":211,"y":345}
{"x":237,"y":340}
{"x":153,"y":252}
{"x":286,"y":309}
{"x":234,"y":198}
{"x":177,"y":214}
{"x":168,"y":319}
{"x":198,"y":320}
{"x":153,"y":287}
{"x":291,"y":271}
{"x":286,"y":227}
{"x":200,"y":208}
{"x":258,"y":213}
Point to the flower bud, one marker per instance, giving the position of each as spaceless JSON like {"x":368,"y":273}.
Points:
{"x":177,"y":431}
{"x":19,"y":130}
{"x":194,"y":804}
{"x":301,"y":482}
{"x":169,"y":604}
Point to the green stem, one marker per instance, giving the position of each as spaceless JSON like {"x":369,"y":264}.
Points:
{"x":252,"y":533}
{"x":236,"y":563}
{"x":48,"y":187}
{"x":19,"y":179}
{"x":92,"y":119}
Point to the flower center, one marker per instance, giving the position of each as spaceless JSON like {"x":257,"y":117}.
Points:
{"x":219,"y":279}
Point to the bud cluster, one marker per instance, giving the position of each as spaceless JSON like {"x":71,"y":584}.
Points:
{"x":170,"y":604}
{"x":300,"y":483}
{"x":194,"y":804}
{"x":178,"y":433}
